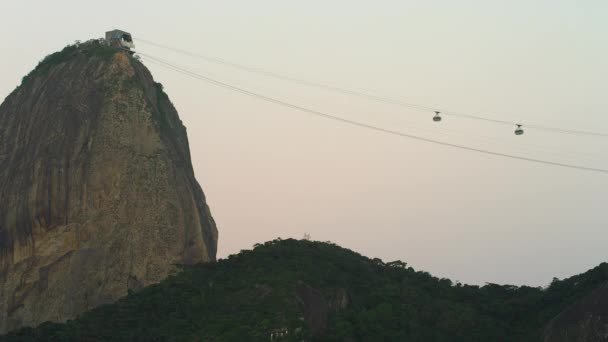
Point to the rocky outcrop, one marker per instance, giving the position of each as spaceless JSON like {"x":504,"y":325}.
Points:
{"x":340,"y":300}
{"x":313,"y":306}
{"x":584,"y":321}
{"x":97,"y":191}
{"x":316,"y":309}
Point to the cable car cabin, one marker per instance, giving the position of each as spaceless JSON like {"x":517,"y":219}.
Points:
{"x":437,"y":117}
{"x":118,"y":38}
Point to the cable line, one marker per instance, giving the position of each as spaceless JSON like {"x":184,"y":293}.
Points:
{"x":356,"y":123}
{"x":371,"y":96}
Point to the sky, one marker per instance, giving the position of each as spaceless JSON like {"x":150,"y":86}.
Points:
{"x":270,"y":171}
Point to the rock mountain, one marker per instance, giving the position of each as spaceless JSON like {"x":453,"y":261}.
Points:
{"x":97,"y":192}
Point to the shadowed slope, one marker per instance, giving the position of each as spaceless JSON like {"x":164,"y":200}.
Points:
{"x":303,"y":290}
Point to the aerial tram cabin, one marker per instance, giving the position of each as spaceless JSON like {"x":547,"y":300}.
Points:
{"x":518,"y":131}
{"x":121,"y":39}
{"x":437,"y":116}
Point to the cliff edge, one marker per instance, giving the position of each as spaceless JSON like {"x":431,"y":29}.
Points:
{"x":97,"y":192}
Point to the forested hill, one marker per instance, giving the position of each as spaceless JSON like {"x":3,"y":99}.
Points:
{"x":305,"y":290}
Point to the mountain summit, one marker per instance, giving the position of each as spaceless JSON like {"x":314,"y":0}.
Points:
{"x":97,"y":192}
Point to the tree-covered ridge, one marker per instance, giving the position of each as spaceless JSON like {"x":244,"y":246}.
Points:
{"x":255,"y":293}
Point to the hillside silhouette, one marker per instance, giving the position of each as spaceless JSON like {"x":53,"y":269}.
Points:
{"x":310,"y":290}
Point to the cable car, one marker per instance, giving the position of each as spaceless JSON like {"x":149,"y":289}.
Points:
{"x":519,"y":130}
{"x":437,"y":118}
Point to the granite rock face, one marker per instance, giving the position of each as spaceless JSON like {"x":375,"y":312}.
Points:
{"x":314,"y":307}
{"x":97,"y":192}
{"x":584,"y":321}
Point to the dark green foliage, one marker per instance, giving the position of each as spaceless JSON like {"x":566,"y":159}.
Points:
{"x":89,"y":49}
{"x":245,"y":297}
{"x":98,"y":49}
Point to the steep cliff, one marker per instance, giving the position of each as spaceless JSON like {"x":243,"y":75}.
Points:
{"x":97,"y":192}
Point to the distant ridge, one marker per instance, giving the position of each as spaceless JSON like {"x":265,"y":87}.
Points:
{"x":308,"y":290}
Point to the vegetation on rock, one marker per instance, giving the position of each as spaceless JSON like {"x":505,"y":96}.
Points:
{"x":92,"y":48}
{"x":253,"y":294}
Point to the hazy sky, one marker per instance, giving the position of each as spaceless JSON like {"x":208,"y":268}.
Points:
{"x":270,"y":171}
